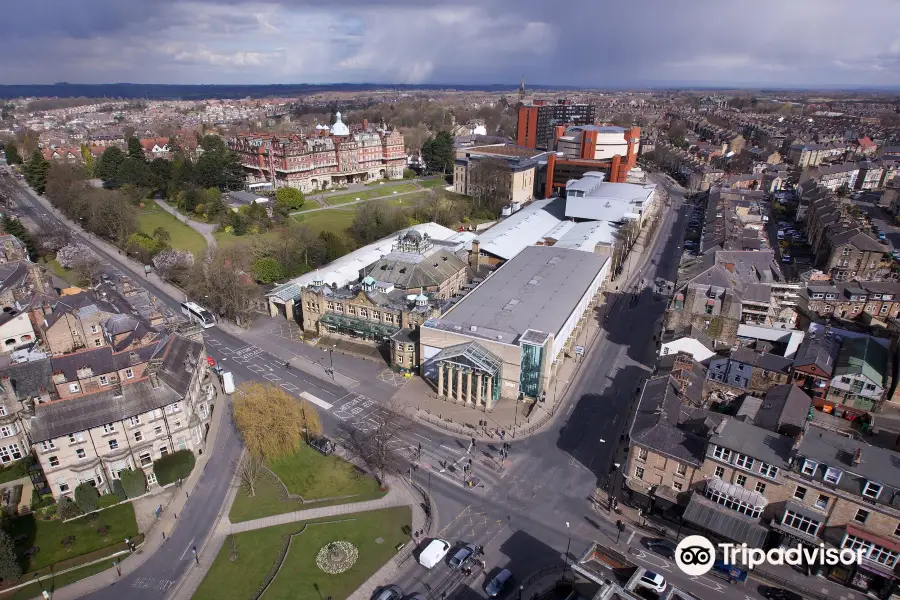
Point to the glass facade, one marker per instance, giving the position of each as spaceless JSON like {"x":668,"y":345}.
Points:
{"x":530,"y":376}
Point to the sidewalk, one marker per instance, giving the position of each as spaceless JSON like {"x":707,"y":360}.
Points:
{"x":399,"y":494}
{"x":154,"y":536}
{"x":204,"y":229}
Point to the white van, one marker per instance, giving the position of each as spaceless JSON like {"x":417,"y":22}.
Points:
{"x":433,"y":553}
{"x":228,"y":382}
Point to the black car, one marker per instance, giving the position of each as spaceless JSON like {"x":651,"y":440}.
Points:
{"x":662,"y":547}
{"x":774,"y":593}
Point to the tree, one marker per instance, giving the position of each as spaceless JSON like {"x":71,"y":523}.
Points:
{"x":289,"y":198}
{"x":14,"y":227}
{"x":490,"y":184}
{"x":134,"y":171}
{"x":10,"y":571}
{"x":142,"y":246}
{"x":271,"y":422}
{"x":80,"y":259}
{"x":373,"y":446}
{"x":268,"y":270}
{"x":66,"y":509}
{"x":249,"y":468}
{"x":372,"y":222}
{"x":12,"y":153}
{"x":107,"y":166}
{"x":334,"y":247}
{"x":161,"y":235}
{"x":135,"y":150}
{"x":169,"y":263}
{"x":222,"y":280}
{"x":842,"y":191}
{"x":88,"y":158}
{"x":87,"y":497}
{"x":134,"y":482}
{"x":438,"y":153}
{"x":36,"y":170}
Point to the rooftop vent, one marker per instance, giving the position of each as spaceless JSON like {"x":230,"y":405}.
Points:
{"x":473,"y":328}
{"x":511,"y":304}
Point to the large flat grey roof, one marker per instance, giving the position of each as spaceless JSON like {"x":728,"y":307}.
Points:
{"x":538,"y":289}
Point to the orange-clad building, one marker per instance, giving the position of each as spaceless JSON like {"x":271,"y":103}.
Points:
{"x":583,"y":148}
{"x":535,"y":127}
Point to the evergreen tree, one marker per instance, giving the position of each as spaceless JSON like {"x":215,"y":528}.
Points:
{"x":88,"y":159}
{"x":36,"y":170}
{"x":12,"y":153}
{"x":135,"y":150}
{"x":10,"y":571}
{"x":108,"y":164}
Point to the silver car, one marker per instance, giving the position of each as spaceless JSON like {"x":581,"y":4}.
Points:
{"x":462,"y":557}
{"x":496,"y":585}
{"x":390,"y":592}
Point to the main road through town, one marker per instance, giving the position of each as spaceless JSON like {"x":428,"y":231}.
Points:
{"x":526,"y":513}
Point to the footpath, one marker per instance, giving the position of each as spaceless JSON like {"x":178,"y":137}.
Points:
{"x":204,"y":229}
{"x":399,"y":494}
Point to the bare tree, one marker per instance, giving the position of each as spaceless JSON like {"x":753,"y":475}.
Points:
{"x":490,"y":183}
{"x":248,"y":468}
{"x":372,"y":444}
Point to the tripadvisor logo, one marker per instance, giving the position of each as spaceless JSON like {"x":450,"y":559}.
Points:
{"x":695,"y":555}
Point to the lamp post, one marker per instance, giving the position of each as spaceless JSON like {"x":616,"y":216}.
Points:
{"x":44,"y":592}
{"x":331,"y":355}
{"x":568,"y":543}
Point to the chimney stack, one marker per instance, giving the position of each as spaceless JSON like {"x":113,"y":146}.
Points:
{"x":475,"y":255}
{"x":8,"y":389}
{"x":857,"y":457}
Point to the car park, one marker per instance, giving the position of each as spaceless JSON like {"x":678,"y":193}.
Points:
{"x":389,"y":592}
{"x":463,"y":557}
{"x":497,"y":583}
{"x":652,"y":581}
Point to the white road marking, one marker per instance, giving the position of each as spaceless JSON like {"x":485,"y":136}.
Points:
{"x":271,"y":377}
{"x":421,"y":436}
{"x":631,"y":537}
{"x":317,"y":401}
{"x":453,"y":450}
{"x":715,"y":586}
{"x":188,"y":549}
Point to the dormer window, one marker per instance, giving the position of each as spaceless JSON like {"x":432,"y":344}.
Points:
{"x":832,"y":475}
{"x":809,"y":467}
{"x":723,"y":454}
{"x":872,"y":490}
{"x":818,"y":296}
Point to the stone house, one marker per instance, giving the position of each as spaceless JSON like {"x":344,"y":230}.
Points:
{"x":814,"y":363}
{"x":77,"y":322}
{"x":852,"y":254}
{"x":23,"y":385}
{"x":748,"y":371}
{"x":850,"y":300}
{"x":91,"y":438}
{"x":861,"y":374}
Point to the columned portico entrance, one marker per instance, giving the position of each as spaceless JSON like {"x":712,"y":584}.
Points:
{"x":466,"y":374}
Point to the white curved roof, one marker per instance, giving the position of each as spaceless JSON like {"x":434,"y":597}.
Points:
{"x":339,"y":128}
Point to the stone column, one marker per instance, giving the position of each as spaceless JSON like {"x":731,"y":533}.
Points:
{"x":440,"y":369}
{"x":469,"y":388}
{"x":459,"y":388}
{"x":449,"y":393}
{"x":490,"y":397}
{"x":478,"y":400}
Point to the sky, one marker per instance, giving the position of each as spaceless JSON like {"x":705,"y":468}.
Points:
{"x":583,"y":43}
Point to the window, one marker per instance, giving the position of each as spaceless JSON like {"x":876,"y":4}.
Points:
{"x":809,"y":467}
{"x":723,"y":454}
{"x":870,"y":386}
{"x":163,"y":450}
{"x":145,"y":459}
{"x":833,"y":475}
{"x":800,"y":523}
{"x":129,"y":373}
{"x":760,"y":487}
{"x":720,"y":472}
{"x":822,"y":502}
{"x":94,"y":329}
{"x":897,"y":530}
{"x":741,"y":506}
{"x":73,"y":387}
{"x":873,"y":552}
{"x":176,"y":424}
{"x":681,"y":470}
{"x":845,"y":380}
{"x":54,"y":461}
{"x":151,"y":478}
{"x":10,"y":430}
{"x":75,"y":438}
{"x":862,"y":516}
{"x":10,"y":453}
{"x":113,"y":444}
{"x":203,"y":411}
{"x":104,"y":380}
{"x":642,"y":454}
{"x":138,"y":436}
{"x":741,"y":480}
{"x":134,"y":421}
{"x":173,"y":408}
{"x":400,"y":359}
{"x":158,"y":430}
{"x":800,"y":493}
{"x":639,"y":472}
{"x":63,"y":486}
{"x":80,"y":453}
{"x":677,"y":486}
{"x":744,"y":461}
{"x":98,"y":342}
{"x":872,"y":490}
{"x":767,"y":470}
{"x":48,"y":445}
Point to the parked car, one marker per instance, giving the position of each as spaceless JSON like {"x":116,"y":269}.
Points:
{"x":774,"y":593}
{"x":786,"y":258}
{"x":389,"y":592}
{"x":496,"y":585}
{"x":662,"y":547}
{"x":433,"y":553}
{"x":462,"y":557}
{"x":652,"y":581}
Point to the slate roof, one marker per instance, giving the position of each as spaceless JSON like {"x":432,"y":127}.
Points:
{"x":29,"y":377}
{"x":763,"y":360}
{"x":665,"y":425}
{"x":857,"y":239}
{"x":832,"y":450}
{"x":784,"y":404}
{"x":819,"y":348}
{"x":863,"y":356}
{"x":754,"y":441}
{"x":408,"y":271}
{"x":725,"y":522}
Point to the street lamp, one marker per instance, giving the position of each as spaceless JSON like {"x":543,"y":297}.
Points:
{"x":44,"y":592}
{"x":331,"y":355}
{"x":568,"y":543}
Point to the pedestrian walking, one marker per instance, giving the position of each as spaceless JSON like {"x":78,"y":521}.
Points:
{"x":502,"y":434}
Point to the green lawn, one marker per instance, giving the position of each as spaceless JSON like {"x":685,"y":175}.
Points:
{"x":52,"y":583}
{"x":67,"y":275}
{"x":182,"y":236}
{"x":336,"y":220}
{"x":300,"y":578}
{"x":376,"y":192}
{"x":48,"y":535}
{"x":310,"y":475}
{"x":17,"y":470}
{"x":430,"y":183}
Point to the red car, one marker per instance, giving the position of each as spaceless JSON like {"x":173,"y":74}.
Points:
{"x":210,"y":361}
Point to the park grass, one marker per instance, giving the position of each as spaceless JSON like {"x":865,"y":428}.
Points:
{"x":52,"y":583}
{"x":182,"y":236}
{"x":336,"y":220}
{"x":318,"y":480}
{"x":369,"y":194}
{"x":48,"y":535}
{"x":67,"y":275}
{"x":299,"y":577}
{"x":430,"y":183}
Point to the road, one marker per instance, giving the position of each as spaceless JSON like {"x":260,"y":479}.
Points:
{"x":526,"y":513}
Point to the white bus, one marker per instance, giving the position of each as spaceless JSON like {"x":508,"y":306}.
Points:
{"x":197,"y":314}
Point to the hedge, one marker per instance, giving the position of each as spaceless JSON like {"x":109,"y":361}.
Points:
{"x":107,"y":500}
{"x":134,"y":482}
{"x":87,"y":497}
{"x":175,"y":466}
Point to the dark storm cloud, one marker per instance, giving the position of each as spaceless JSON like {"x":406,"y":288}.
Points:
{"x":575,"y":42}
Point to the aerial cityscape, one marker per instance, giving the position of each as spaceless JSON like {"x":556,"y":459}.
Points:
{"x":425,"y":301}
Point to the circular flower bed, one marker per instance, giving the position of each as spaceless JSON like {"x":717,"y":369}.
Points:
{"x":337,"y":557}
